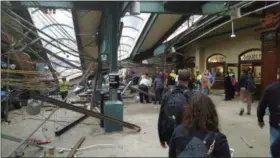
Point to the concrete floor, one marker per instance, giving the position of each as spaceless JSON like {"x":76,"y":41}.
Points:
{"x":129,"y":143}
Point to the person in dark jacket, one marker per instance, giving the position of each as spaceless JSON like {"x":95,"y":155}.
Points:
{"x":270,"y":98}
{"x":158,"y":87}
{"x":164,"y":134}
{"x":275,"y":148}
{"x":228,"y":87}
{"x":250,"y":86}
{"x":200,"y":118}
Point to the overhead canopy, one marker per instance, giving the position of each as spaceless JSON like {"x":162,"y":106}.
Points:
{"x":59,"y":25}
{"x":133,"y":26}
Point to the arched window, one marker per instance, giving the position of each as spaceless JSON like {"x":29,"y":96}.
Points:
{"x":251,"y":55}
{"x":216,"y":64}
{"x":217,"y":58}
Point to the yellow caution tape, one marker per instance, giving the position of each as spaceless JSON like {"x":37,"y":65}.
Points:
{"x":26,"y":72}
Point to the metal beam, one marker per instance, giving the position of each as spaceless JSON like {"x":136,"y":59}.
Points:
{"x":80,"y":5}
{"x":148,"y":52}
{"x":213,"y":7}
{"x":131,"y":28}
{"x":60,"y":39}
{"x":125,"y":36}
{"x":230,"y":31}
{"x":125,"y":7}
{"x":83,"y":111}
{"x":78,"y":38}
{"x":52,"y":25}
{"x":159,"y":7}
{"x":144,"y":34}
{"x":69,"y":126}
{"x":125,"y":44}
{"x":36,"y":45}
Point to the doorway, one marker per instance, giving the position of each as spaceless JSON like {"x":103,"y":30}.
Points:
{"x":251,"y":61}
{"x":216,"y":64}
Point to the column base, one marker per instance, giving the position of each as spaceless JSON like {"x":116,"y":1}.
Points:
{"x":113,"y":109}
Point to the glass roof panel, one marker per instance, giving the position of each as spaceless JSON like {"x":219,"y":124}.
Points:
{"x":129,"y":32}
{"x":188,"y":23}
{"x":124,"y":47}
{"x":59,"y":25}
{"x":133,"y":27}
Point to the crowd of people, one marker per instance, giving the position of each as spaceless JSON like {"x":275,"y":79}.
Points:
{"x":188,"y":121}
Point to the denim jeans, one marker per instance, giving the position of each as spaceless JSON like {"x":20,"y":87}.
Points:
{"x":274,"y":134}
{"x":205,"y":91}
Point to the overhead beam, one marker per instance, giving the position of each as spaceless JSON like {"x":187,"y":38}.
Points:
{"x":159,"y":7}
{"x":80,"y":5}
{"x":149,"y":53}
{"x":213,"y":7}
{"x":230,"y":31}
{"x":144,"y":34}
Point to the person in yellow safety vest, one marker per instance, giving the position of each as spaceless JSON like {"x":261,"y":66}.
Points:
{"x":171,"y":79}
{"x":198,"y":80}
{"x":63,"y":88}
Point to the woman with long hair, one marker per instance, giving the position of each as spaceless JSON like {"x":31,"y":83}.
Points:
{"x":199,"y":134}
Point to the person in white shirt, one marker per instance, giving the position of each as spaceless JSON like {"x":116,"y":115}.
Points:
{"x":144,"y":85}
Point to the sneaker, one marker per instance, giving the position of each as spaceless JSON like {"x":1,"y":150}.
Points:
{"x":248,"y":113}
{"x":241,"y":112}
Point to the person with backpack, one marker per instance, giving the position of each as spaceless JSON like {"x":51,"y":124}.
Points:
{"x":158,"y":87}
{"x":250,"y":86}
{"x":172,"y":107}
{"x":199,"y":134}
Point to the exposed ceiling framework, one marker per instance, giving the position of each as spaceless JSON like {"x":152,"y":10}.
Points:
{"x":133,"y":26}
{"x":59,"y":26}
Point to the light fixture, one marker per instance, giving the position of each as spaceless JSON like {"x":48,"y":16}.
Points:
{"x":232,"y":30}
{"x":135,"y":8}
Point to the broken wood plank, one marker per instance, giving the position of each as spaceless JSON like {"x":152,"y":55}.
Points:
{"x":76,"y":146}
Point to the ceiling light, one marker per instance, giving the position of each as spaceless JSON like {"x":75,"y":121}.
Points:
{"x":232,"y":30}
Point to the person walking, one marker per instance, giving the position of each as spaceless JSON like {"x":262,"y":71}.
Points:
{"x":63,"y":88}
{"x":270,"y":98}
{"x":205,"y":84}
{"x":242,"y":87}
{"x":199,"y":134}
{"x":158,"y":87}
{"x":172,"y":106}
{"x":144,"y":85}
{"x":250,"y":89}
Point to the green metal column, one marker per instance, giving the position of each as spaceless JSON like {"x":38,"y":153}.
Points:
{"x":113,"y":107}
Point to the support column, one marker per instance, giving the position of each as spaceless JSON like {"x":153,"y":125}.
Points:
{"x":270,"y":51}
{"x":199,"y":59}
{"x":113,"y":107}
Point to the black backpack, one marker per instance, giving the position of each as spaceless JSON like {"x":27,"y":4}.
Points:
{"x":196,"y":147}
{"x":174,"y":107}
{"x":250,"y":85}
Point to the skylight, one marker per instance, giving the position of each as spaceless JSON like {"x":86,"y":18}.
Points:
{"x":188,"y":23}
{"x":132,"y":29}
{"x":59,"y":25}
